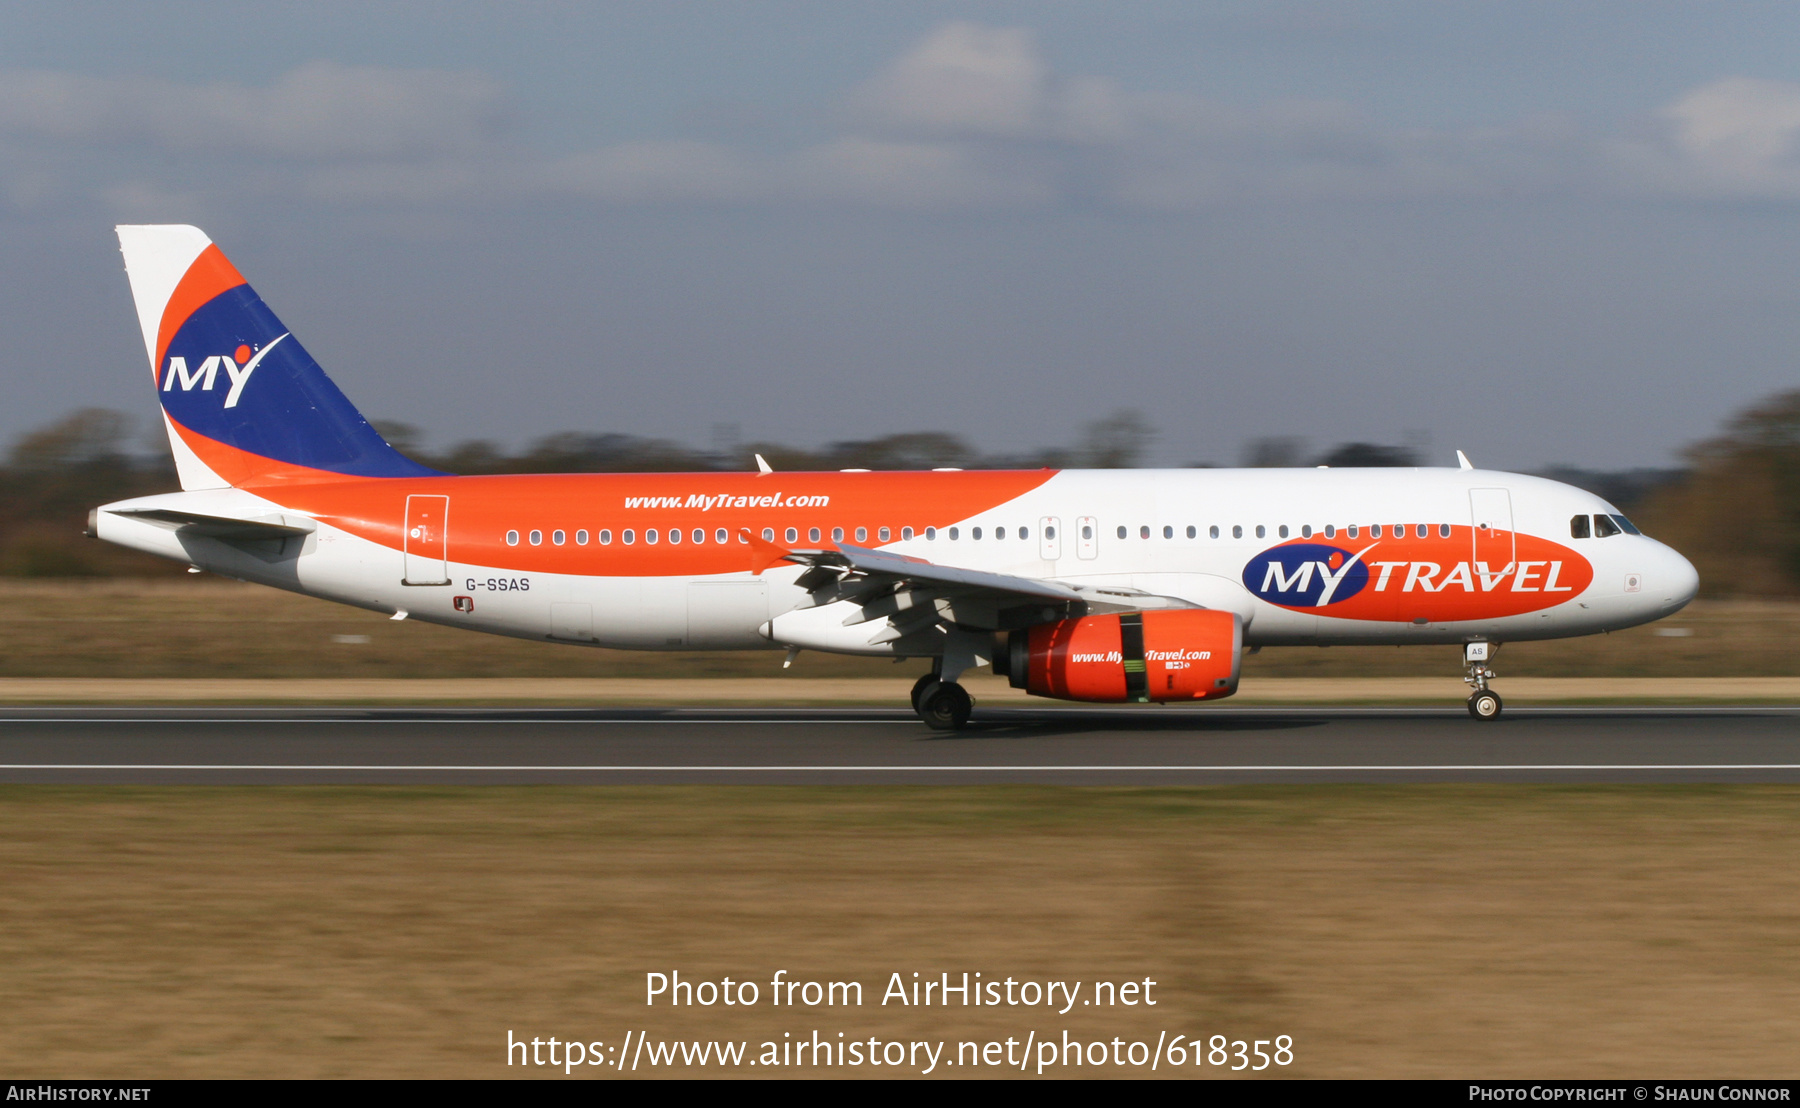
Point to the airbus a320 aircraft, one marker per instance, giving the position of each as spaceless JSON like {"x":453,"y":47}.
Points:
{"x":1096,"y":585}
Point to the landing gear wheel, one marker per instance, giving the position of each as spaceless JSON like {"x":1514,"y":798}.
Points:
{"x":1485,"y":705}
{"x":946,"y":707}
{"x":919,"y":688}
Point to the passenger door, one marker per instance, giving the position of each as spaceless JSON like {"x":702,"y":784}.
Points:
{"x":426,"y":540}
{"x":1491,"y":513}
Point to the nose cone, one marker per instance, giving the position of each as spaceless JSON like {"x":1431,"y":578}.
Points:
{"x":1676,"y":580}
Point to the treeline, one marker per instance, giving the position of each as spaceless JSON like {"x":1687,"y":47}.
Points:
{"x":1734,"y":508}
{"x":1736,"y":511}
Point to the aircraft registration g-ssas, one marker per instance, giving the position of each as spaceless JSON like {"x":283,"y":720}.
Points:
{"x":1093,"y":585}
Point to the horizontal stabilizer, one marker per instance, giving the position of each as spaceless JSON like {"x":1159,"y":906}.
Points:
{"x":225,"y":527}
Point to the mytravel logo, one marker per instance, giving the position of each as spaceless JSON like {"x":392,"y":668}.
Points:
{"x":238,"y":366}
{"x":1441,"y":577}
{"x":1307,"y":574}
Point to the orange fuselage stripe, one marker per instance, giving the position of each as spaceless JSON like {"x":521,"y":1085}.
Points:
{"x":483,"y":509}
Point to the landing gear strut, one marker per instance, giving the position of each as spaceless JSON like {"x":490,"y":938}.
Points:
{"x":1484,"y":703}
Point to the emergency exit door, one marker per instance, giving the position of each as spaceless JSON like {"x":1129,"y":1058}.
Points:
{"x":1491,"y":510}
{"x":426,"y":540}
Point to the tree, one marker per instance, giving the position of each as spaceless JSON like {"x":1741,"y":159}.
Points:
{"x":1737,"y":515}
{"x":1117,"y":441}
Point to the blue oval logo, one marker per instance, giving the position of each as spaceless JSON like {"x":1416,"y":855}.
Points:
{"x":1306,"y":575}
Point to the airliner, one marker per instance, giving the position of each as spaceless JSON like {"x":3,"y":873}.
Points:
{"x":1128,"y":586}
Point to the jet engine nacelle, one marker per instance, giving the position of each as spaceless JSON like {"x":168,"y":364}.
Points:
{"x":1180,"y":654}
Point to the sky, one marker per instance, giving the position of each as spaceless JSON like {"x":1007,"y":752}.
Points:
{"x":1543,"y":233}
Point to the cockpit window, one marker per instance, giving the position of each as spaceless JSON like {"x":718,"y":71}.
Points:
{"x":1578,"y":527}
{"x":1630,"y":527}
{"x":1604,"y":527}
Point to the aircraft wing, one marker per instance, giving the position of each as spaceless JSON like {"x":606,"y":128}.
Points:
{"x":915,"y":596}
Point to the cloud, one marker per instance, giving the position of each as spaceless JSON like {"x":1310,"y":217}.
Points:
{"x":1734,"y":138}
{"x":969,"y":81}
{"x":321,"y":110}
{"x":970,"y":117}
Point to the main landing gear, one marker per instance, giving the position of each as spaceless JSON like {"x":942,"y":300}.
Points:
{"x":943,"y":705}
{"x":1484,"y":703}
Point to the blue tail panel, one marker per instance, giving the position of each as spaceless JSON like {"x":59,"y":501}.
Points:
{"x":234,"y":374}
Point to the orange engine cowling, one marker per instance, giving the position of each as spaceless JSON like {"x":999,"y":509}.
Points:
{"x":1180,"y":654}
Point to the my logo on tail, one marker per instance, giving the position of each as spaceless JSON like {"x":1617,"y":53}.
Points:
{"x":238,"y":365}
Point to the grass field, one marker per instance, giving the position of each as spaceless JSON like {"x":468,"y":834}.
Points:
{"x":204,"y":627}
{"x":1423,"y":931}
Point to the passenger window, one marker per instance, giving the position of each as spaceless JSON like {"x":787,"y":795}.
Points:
{"x":1168,"y":532}
{"x":558,"y":537}
{"x":650,"y":535}
{"x":1121,"y":532}
{"x":884,"y":534}
{"x":1143,"y":532}
{"x":1306,"y":530}
{"x":536,"y":537}
{"x":1353,"y":530}
{"x":1604,"y":527}
{"x":1087,"y":532}
{"x":1630,"y":528}
{"x":931,"y":534}
{"x":721,"y":536}
{"x":1191,"y":532}
{"x":1443,"y":530}
{"x":812,"y":534}
{"x":1374,"y":530}
{"x":674,"y":535}
{"x":581,"y":538}
{"x":1213,"y":531}
{"x":1331,"y":531}
{"x":700,"y":535}
{"x":628,"y":537}
{"x":769,"y":534}
{"x":1282,"y":531}
{"x":975,"y":534}
{"x":862,"y":534}
{"x":953,"y":535}
{"x":906,"y":534}
{"x":793,"y":535}
{"x":837,"y":534}
{"x":1024,"y":533}
{"x":512,"y":538}
{"x":1261,"y":531}
{"x":1421,"y":530}
{"x":605,"y":537}
{"x":1237,"y":531}
{"x":1578,"y":527}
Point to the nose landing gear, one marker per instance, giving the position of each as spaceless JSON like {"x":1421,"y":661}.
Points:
{"x":1484,"y":703}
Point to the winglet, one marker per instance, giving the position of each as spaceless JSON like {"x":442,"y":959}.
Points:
{"x":1462,"y":461}
{"x":763,"y":467}
{"x":763,"y":553}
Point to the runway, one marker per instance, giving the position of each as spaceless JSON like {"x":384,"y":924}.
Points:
{"x":1074,"y":746}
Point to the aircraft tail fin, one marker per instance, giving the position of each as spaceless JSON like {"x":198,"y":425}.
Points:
{"x":243,"y":401}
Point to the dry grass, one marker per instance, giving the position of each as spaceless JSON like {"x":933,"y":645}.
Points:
{"x":205,"y":627}
{"x":1424,"y":931}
